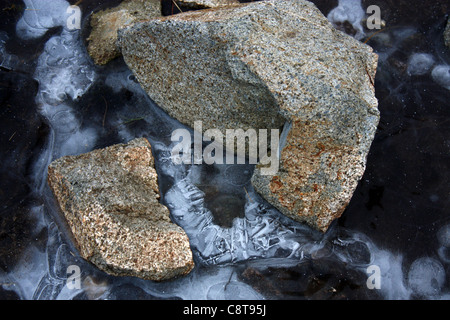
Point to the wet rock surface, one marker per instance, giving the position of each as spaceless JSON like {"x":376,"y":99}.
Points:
{"x":105,"y":24}
{"x":110,"y":199}
{"x":261,"y":65}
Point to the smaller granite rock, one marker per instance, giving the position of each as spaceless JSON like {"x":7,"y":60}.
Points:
{"x":105,"y":24}
{"x":110,"y":199}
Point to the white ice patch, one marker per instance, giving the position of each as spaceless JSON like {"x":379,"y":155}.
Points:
{"x":441,"y":75}
{"x":420,"y":64}
{"x":350,"y":11}
{"x":40,"y":16}
{"x":257,"y":235}
{"x":64,"y":69}
{"x":443,"y":236}
{"x":392,"y":285}
{"x":426,"y":277}
{"x":217,"y":284}
{"x":64,"y":72}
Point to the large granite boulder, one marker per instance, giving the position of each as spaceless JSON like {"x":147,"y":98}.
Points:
{"x":110,"y":199}
{"x":265,"y":65}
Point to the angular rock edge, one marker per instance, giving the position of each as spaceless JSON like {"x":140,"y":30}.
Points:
{"x":110,"y":199}
{"x":264,"y":65}
{"x":103,"y":37}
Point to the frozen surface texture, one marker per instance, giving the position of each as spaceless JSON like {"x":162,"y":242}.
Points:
{"x":60,"y":78}
{"x":348,"y":12}
{"x":441,"y":74}
{"x":398,"y":219}
{"x":261,"y":65}
{"x":40,"y":16}
{"x":110,"y":198}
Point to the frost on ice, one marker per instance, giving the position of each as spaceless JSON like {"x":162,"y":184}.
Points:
{"x":40,"y":16}
{"x":420,"y":63}
{"x":350,"y":11}
{"x":426,"y":277}
{"x":441,"y":74}
{"x":65,"y":73}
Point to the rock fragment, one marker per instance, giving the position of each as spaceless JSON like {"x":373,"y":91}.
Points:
{"x":105,"y":24}
{"x":110,"y":199}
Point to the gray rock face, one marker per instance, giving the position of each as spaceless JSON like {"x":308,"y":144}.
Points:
{"x":110,"y":199}
{"x":262,"y":65}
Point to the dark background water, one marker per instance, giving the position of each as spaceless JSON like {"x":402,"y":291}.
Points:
{"x":400,"y":204}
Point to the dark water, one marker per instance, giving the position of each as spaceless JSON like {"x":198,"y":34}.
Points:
{"x":398,"y":219}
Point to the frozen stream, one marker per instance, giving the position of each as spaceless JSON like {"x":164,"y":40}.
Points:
{"x":398,"y":223}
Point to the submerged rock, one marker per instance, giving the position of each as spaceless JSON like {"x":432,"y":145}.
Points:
{"x":262,"y":65}
{"x":110,"y":199}
{"x":105,"y":24}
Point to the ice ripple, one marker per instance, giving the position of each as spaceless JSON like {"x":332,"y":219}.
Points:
{"x":258,"y":234}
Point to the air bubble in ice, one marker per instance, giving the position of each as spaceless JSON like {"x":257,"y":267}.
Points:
{"x":441,"y":75}
{"x":63,"y":70}
{"x":65,"y":121}
{"x":443,"y":236}
{"x":426,"y":277}
{"x":420,"y":64}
